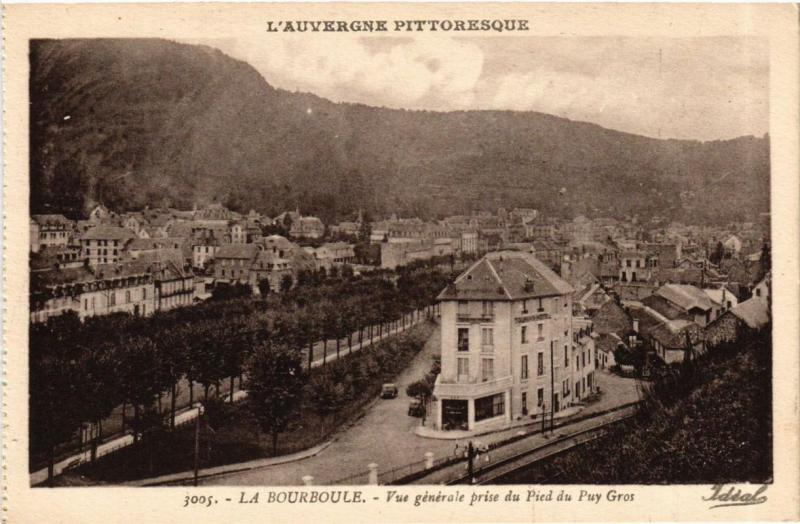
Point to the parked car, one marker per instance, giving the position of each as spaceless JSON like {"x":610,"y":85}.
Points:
{"x":389,"y":390}
{"x":416,"y":408}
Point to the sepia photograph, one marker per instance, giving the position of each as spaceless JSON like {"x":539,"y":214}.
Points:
{"x":517,"y":260}
{"x":461,"y":255}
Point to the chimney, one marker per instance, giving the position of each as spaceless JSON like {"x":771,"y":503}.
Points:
{"x":529,"y":285}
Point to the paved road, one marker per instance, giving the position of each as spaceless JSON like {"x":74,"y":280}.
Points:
{"x":385,"y":435}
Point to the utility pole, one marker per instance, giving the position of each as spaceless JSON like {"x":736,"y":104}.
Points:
{"x":196,"y":446}
{"x":470,"y":457}
{"x":544,"y":416}
{"x":552,"y":389}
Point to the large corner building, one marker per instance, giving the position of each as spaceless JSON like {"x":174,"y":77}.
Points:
{"x":508,"y":347}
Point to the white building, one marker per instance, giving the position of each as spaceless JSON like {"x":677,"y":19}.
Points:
{"x":507,"y":344}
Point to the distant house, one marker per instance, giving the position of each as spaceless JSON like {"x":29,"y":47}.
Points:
{"x":334,"y":254}
{"x":238,"y":232}
{"x":666,"y":255}
{"x":762,"y":289}
{"x":49,"y":231}
{"x":92,"y":291}
{"x":722,"y":296}
{"x":307,"y":227}
{"x":733,"y":244}
{"x":607,"y":344}
{"x":750,"y":315}
{"x":671,"y":339}
{"x":100,"y":213}
{"x":173,"y":282}
{"x":133,"y":221}
{"x":691,"y":301}
{"x":610,"y":318}
{"x":636,"y":266}
{"x":104,"y":244}
{"x":233,"y":262}
{"x":213,"y":212}
{"x":203,"y":251}
{"x":271,"y":267}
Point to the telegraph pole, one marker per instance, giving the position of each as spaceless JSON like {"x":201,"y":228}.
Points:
{"x":196,"y":446}
{"x":470,"y":457}
{"x":552,"y":389}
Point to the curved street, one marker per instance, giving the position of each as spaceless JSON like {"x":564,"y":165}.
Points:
{"x":385,"y":435}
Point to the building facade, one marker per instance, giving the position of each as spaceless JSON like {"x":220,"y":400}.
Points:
{"x":507,"y":343}
{"x":49,"y":231}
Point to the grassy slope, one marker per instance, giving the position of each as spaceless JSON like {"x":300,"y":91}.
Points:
{"x":719,"y":432}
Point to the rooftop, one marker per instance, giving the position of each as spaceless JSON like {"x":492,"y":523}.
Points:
{"x":104,"y":232}
{"x":685,"y":297}
{"x":506,"y":275}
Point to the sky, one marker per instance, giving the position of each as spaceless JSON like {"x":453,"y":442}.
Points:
{"x":704,"y":88}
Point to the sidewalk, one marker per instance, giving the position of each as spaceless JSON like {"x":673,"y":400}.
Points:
{"x":188,"y":476}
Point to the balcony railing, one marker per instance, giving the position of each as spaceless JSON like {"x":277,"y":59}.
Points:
{"x":475,"y":317}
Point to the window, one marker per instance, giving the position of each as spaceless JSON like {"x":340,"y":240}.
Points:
{"x":463,"y":339}
{"x":144,"y":293}
{"x":463,"y":308}
{"x":487,"y":369}
{"x":487,"y":308}
{"x":463,"y":368}
{"x":758,"y":292}
{"x":540,"y":364}
{"x":488,"y":407}
{"x":566,"y":357}
{"x":487,"y":338}
{"x":540,"y":331}
{"x":628,"y":263}
{"x":524,"y":334}
{"x":565,"y":387}
{"x":524,"y":403}
{"x":127,"y":296}
{"x":577,"y":362}
{"x":540,"y":397}
{"x":112,"y":299}
{"x":524,"y":306}
{"x":541,"y":306}
{"x":523,"y":371}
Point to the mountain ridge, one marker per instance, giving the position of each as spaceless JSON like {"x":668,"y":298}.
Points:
{"x":154,"y":122}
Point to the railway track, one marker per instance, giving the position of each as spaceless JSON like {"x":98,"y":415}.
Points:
{"x":560,"y":443}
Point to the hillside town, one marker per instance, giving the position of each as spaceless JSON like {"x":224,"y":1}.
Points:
{"x":534,"y":309}
{"x":664,"y":279}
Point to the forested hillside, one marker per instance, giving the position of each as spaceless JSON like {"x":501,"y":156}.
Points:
{"x":136,"y":122}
